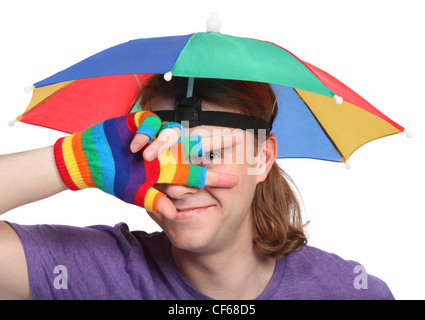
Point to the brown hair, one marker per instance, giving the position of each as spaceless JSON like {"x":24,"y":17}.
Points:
{"x":276,"y":208}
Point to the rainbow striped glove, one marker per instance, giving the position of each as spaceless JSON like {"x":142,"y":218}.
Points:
{"x":100,"y":157}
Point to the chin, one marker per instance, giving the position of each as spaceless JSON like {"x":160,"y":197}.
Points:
{"x":196,"y":240}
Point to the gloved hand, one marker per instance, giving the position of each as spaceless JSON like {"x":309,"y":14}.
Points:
{"x":100,"y":157}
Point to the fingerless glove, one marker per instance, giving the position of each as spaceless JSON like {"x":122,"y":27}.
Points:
{"x":100,"y":157}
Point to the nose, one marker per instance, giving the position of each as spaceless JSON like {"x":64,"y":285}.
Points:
{"x":177,"y":192}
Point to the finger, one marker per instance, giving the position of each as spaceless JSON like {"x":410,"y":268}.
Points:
{"x":194,"y":176}
{"x":196,"y":146}
{"x":220,"y":180}
{"x":155,"y":201}
{"x":145,"y":123}
{"x":166,"y":208}
{"x":138,"y":142}
{"x":192,"y":146}
{"x":221,"y":141}
{"x":149,"y":123}
{"x":165,"y":140}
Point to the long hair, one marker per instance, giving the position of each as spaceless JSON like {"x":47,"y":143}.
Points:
{"x":275,"y":208}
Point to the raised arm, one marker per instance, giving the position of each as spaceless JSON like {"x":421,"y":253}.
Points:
{"x":27,"y":177}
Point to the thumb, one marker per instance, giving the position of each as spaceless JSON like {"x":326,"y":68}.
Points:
{"x":154,"y":201}
{"x":166,"y":208}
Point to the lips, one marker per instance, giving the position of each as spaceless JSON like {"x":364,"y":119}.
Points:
{"x":188,"y":213}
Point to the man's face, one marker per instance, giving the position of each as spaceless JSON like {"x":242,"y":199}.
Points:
{"x":208,"y":219}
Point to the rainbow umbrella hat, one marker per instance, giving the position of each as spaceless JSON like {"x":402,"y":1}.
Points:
{"x":319,"y":117}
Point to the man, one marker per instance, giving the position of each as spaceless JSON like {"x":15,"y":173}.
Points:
{"x":235,"y":232}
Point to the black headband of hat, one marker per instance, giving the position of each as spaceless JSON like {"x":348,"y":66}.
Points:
{"x":190,"y":109}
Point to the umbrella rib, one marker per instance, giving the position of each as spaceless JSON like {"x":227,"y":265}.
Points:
{"x":321,"y":126}
{"x":138,"y":81}
{"x":275,"y":100}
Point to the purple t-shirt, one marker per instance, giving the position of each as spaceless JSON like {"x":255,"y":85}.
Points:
{"x":103,"y":262}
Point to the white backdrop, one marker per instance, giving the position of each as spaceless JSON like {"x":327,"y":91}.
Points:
{"x":373,"y":213}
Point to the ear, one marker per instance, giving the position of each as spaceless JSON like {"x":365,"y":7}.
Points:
{"x":266,"y":157}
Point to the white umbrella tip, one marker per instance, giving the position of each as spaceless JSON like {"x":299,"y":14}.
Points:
{"x":213,"y":23}
{"x":168,"y":76}
{"x":29,"y":89}
{"x":338,"y":99}
{"x":409,"y":134}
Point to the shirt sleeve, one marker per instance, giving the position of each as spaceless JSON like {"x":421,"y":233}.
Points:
{"x":66,"y":262}
{"x":312,"y":273}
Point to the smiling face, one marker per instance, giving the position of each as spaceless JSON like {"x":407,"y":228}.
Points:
{"x":210,"y":219}
{"x":213,"y":218}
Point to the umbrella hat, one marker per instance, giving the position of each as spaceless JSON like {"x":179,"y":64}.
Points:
{"x":319,"y":117}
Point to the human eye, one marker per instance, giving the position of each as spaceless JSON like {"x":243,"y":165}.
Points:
{"x":212,"y":157}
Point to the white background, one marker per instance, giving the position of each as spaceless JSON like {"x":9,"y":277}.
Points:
{"x":373,"y":213}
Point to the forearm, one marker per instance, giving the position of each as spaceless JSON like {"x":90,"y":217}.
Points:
{"x":27,"y":177}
